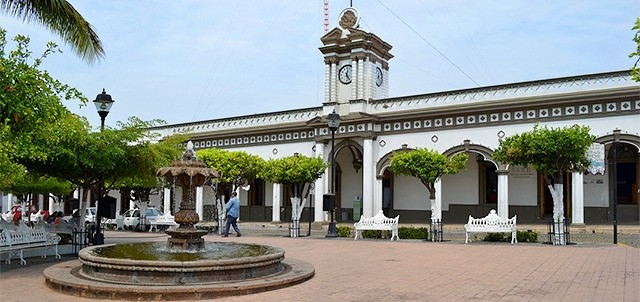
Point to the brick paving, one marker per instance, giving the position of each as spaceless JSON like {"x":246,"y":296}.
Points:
{"x":409,"y":270}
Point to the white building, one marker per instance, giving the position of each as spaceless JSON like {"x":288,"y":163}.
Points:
{"x":470,"y":120}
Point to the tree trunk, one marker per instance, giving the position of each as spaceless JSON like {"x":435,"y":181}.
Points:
{"x":558,"y":213}
{"x":297,"y":205}
{"x":431,"y":187}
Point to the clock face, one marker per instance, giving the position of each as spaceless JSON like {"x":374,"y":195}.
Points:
{"x":344,"y":74}
{"x":379,"y":77}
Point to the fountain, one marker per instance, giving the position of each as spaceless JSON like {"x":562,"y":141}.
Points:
{"x":187,"y":173}
{"x":183,"y":268}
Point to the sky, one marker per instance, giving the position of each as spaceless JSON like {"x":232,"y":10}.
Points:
{"x":185,"y":61}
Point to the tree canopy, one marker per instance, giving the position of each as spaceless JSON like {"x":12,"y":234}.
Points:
{"x":635,"y":71}
{"x":426,"y":165}
{"x":551,"y":151}
{"x":236,"y":168}
{"x":297,"y":172}
{"x":61,"y":18}
{"x":31,"y":111}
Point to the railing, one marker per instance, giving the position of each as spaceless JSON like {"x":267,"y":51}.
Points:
{"x":294,"y":228}
{"x":435,"y":230}
{"x":559,"y":231}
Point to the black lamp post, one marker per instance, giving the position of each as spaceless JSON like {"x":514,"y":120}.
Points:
{"x":333,"y":121}
{"x":103,"y":104}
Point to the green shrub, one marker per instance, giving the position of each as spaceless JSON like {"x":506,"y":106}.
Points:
{"x":497,"y":237}
{"x":403,"y":233}
{"x":527,"y":236}
{"x":376,"y":234}
{"x":522,"y":236}
{"x":344,"y":231}
{"x":64,"y":239}
{"x":204,"y":227}
{"x":413,"y":233}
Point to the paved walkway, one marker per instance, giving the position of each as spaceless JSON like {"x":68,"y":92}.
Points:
{"x":409,"y":270}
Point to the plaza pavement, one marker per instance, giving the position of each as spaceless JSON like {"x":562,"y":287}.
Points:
{"x":408,"y":270}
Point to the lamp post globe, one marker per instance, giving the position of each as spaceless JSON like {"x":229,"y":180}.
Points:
{"x":103,"y":104}
{"x":333,"y":122}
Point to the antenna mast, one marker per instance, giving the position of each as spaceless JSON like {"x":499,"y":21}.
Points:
{"x":326,"y":16}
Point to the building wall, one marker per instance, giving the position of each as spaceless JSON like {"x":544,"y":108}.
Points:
{"x":523,"y":186}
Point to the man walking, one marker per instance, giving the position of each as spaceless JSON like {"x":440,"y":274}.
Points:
{"x":233,"y":209}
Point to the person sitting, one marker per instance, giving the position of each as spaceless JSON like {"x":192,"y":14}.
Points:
{"x":58,"y":218}
{"x":52,"y":217}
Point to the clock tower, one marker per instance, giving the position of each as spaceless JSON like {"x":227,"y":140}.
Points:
{"x":356,"y":64}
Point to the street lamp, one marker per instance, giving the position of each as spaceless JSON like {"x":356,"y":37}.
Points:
{"x":103,"y":104}
{"x":333,"y":122}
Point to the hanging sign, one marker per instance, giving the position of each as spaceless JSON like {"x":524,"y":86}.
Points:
{"x":595,"y":155}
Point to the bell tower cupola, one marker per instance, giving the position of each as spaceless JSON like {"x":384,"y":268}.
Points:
{"x":356,"y":62}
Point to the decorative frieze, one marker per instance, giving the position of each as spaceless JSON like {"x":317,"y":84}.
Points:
{"x":513,"y":116}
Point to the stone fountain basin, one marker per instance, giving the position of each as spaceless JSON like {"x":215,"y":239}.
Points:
{"x":237,"y":262}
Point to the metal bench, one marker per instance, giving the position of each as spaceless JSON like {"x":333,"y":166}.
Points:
{"x":378,"y":222}
{"x":165,"y":220}
{"x":15,"y":241}
{"x":491,"y":223}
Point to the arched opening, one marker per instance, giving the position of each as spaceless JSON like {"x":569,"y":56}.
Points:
{"x":488,"y":181}
{"x":387,"y":193}
{"x":627,"y":173}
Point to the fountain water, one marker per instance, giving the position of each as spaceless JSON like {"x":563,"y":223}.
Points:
{"x":185,"y":267}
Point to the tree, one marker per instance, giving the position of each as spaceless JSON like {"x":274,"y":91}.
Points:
{"x":30,"y":184}
{"x":635,"y":71}
{"x":61,"y":18}
{"x":236,"y":168}
{"x":30,"y":105}
{"x":552,"y":152}
{"x":87,"y":158}
{"x":138,"y":177}
{"x":428,"y":166}
{"x":298,"y":174}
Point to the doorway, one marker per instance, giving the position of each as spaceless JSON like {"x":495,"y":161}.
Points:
{"x":546,"y":201}
{"x":387,"y":192}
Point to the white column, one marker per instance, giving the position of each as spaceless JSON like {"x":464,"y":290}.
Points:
{"x":52,"y":204}
{"x":40,"y":202}
{"x":118,"y":203}
{"x":503,"y":194}
{"x":166,"y":207}
{"x":6,"y":202}
{"x":367,"y":178}
{"x":275,"y":215}
{"x":354,"y":78}
{"x":377,"y":194}
{"x":327,"y":82}
{"x":577,"y":198}
{"x":199,"y":198}
{"x":334,"y":92}
{"x":438,"y":209}
{"x":361,"y":80}
{"x":385,"y":85}
{"x":368,"y":79}
{"x":319,"y":188}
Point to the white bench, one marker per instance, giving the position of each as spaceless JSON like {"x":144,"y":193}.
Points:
{"x":166,"y":220}
{"x":492,"y":223}
{"x":378,"y":222}
{"x":15,"y":241}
